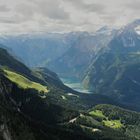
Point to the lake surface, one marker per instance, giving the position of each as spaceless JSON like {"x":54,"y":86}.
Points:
{"x":75,"y":84}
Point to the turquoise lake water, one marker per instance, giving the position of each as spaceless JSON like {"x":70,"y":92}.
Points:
{"x":75,"y":84}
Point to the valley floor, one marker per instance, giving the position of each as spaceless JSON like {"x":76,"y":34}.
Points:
{"x":75,"y":84}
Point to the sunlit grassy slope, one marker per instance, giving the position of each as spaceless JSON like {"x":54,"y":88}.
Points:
{"x":109,"y":123}
{"x":113,"y":123}
{"x":97,"y":113}
{"x":23,"y":82}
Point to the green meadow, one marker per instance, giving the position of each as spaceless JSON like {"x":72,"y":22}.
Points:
{"x":23,"y":82}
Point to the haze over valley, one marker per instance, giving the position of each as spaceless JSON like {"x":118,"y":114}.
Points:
{"x":69,"y":69}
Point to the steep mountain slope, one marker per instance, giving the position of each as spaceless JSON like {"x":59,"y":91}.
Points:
{"x":67,"y":54}
{"x":77,"y":58}
{"x":8,"y":61}
{"x":11,"y":62}
{"x":115,"y":71}
{"x":106,"y":122}
{"x":38,"y":49}
{"x":12,"y":125}
{"x":42,"y":77}
{"x":25,"y":115}
{"x":27,"y":112}
{"x":126,"y":121}
{"x":26,"y":108}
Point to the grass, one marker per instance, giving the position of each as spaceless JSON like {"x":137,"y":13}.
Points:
{"x":64,"y":98}
{"x":92,"y":130}
{"x":97,"y":113}
{"x":113,"y":123}
{"x":23,"y":82}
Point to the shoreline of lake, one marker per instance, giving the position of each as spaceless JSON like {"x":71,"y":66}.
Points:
{"x":74,"y":84}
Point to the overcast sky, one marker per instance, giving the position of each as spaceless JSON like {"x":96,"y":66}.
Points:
{"x":65,"y":15}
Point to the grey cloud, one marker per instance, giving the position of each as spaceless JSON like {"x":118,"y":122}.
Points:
{"x":93,"y":7}
{"x":133,"y":5}
{"x":109,"y":19}
{"x":25,"y":9}
{"x":66,"y":15}
{"x":8,"y":20}
{"x":13,"y":19}
{"x":4,"y":8}
{"x":51,"y":9}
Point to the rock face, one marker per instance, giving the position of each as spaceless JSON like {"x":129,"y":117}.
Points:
{"x":39,"y":49}
{"x":25,"y":115}
{"x":115,"y":71}
{"x":12,"y":125}
{"x":68,"y":54}
{"x":78,"y":57}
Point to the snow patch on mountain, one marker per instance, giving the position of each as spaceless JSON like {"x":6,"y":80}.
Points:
{"x":137,"y":30}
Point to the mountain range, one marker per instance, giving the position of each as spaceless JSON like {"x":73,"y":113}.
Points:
{"x":30,"y":111}
{"x":115,"y":71}
{"x":36,"y":105}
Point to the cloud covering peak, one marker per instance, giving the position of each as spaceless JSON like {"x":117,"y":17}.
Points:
{"x":65,"y":15}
